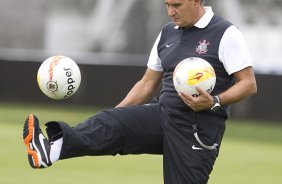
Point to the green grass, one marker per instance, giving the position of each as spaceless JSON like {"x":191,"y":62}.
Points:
{"x":250,"y":153}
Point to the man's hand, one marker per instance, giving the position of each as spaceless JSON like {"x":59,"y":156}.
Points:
{"x":202,"y":102}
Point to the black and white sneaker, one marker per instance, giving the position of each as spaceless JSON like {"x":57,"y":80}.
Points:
{"x":38,"y":147}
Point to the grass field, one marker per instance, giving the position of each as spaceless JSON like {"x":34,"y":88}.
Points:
{"x":250,"y":153}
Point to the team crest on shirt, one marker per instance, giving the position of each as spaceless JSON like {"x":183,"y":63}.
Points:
{"x":203,"y":47}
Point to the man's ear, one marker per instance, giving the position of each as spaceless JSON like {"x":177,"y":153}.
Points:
{"x":197,"y":3}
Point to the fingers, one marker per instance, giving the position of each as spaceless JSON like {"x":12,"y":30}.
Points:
{"x":188,"y":100}
{"x":199,"y":103}
{"x":202,"y":92}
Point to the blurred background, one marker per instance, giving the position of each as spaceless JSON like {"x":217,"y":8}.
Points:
{"x":115,"y":37}
{"x":111,"y":41}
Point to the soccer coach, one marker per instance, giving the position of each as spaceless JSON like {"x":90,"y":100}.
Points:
{"x":186,"y":130}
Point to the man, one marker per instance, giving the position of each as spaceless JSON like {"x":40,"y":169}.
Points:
{"x":186,"y":130}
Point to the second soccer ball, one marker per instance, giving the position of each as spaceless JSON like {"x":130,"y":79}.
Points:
{"x":191,"y":73}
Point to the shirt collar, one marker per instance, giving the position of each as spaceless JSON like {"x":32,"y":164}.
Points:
{"x":204,"y":20}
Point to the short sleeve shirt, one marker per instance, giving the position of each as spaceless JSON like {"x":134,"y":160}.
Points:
{"x":212,"y":38}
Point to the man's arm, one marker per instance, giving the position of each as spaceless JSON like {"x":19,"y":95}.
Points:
{"x":144,"y":89}
{"x":244,"y":87}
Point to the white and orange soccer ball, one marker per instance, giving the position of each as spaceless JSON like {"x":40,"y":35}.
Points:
{"x":59,"y":77}
{"x":191,"y":73}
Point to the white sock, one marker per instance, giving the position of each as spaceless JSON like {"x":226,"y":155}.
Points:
{"x":55,"y":151}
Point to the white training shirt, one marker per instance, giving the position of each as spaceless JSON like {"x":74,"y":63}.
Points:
{"x":233,"y":50}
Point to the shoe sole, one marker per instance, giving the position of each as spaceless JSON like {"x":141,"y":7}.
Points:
{"x":28,"y":133}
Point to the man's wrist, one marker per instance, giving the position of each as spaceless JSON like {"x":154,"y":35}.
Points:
{"x":216,"y":104}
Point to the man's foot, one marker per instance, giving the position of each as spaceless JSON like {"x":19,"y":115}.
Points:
{"x":38,"y":147}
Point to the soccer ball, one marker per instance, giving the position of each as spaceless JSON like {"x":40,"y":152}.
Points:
{"x":58,"y":77}
{"x":191,"y":73}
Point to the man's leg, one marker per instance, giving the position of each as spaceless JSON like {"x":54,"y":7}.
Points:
{"x":185,"y":160}
{"x":129,"y":130}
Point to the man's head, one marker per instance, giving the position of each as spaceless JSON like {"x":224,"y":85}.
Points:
{"x":185,"y":13}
